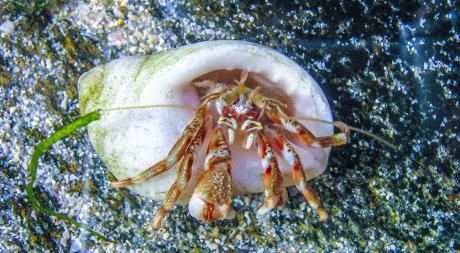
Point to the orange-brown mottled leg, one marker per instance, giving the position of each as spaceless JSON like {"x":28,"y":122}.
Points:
{"x":183,"y":175}
{"x":275,"y":192}
{"x":174,"y":155}
{"x":299,"y":176}
{"x":212,"y":198}
{"x":306,"y":136}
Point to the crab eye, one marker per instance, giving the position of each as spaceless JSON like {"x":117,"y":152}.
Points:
{"x":229,"y":99}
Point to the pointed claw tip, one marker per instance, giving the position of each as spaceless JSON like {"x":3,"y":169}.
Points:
{"x":231,"y":136}
{"x":156,"y":224}
{"x":158,"y":218}
{"x":116,"y":184}
{"x":316,"y":145}
{"x":157,"y":221}
{"x":342,"y":135}
{"x":248,"y":144}
{"x":323,"y":216}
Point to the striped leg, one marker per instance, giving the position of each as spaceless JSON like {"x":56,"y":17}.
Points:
{"x":183,"y":175}
{"x":299,"y":176}
{"x":212,"y":198}
{"x":306,"y":136}
{"x":174,"y":155}
{"x":275,"y":192}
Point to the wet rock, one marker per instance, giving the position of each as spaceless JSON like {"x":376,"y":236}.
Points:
{"x":388,"y":67}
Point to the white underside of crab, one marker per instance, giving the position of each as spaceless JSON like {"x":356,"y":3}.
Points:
{"x":130,"y":141}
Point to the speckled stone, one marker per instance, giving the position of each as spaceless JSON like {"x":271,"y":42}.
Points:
{"x":392,"y":68}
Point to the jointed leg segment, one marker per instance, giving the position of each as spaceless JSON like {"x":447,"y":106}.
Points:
{"x":174,"y":155}
{"x":183,"y":175}
{"x":299,"y":176}
{"x":307,"y":137}
{"x":212,"y":198}
{"x":275,"y":192}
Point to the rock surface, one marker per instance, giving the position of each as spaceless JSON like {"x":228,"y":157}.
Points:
{"x":392,"y":68}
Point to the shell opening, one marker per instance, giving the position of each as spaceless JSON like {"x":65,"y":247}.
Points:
{"x":269,"y":88}
{"x":128,"y":141}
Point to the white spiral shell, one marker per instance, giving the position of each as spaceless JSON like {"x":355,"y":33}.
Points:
{"x":133,"y":140}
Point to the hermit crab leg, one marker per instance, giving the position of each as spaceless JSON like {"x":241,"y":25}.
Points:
{"x":212,"y":198}
{"x":275,"y":192}
{"x":174,"y":155}
{"x":251,"y":127}
{"x":231,"y":125}
{"x":183,"y":175}
{"x":307,"y":137}
{"x":215,"y":94}
{"x":299,"y":176}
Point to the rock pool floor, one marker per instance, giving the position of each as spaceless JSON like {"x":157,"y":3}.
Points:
{"x":389,"y":67}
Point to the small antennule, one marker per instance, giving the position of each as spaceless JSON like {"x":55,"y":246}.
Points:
{"x":341,"y":125}
{"x":204,"y":84}
{"x":254,"y":92}
{"x":243,"y":78}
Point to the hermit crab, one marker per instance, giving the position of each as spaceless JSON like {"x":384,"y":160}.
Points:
{"x":205,"y":122}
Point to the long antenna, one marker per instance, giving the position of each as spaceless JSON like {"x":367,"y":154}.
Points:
{"x":149,"y":106}
{"x":355,"y":129}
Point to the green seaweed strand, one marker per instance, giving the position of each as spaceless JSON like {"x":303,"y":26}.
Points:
{"x":42,"y":147}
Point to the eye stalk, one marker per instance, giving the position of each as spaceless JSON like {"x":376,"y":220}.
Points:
{"x":243,"y":77}
{"x":255,"y":98}
{"x":238,"y":93}
{"x":229,"y":98}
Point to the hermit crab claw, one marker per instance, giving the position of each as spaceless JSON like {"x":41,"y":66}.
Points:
{"x":202,"y":210}
{"x":212,"y":198}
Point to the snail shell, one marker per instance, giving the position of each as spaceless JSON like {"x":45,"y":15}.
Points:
{"x":130,"y":141}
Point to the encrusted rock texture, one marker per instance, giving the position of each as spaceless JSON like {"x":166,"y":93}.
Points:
{"x":389,"y":67}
